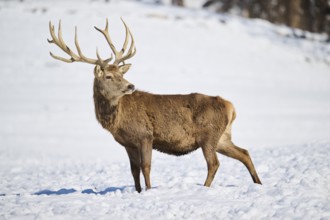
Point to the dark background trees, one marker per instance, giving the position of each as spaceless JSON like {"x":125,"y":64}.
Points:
{"x":310,"y":15}
{"x":178,"y":2}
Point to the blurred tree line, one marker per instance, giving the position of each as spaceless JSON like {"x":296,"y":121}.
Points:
{"x":178,"y":2}
{"x":309,"y":15}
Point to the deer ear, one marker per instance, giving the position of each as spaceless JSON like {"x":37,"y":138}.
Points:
{"x":98,"y":71}
{"x":124,"y":68}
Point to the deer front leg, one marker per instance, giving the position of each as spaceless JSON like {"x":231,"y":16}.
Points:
{"x":212,"y":164}
{"x":146,"y":151}
{"x":135,"y":161}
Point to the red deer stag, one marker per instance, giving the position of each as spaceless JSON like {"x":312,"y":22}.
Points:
{"x":141,"y":121}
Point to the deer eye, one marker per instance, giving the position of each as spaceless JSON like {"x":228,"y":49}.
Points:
{"x":109,"y":77}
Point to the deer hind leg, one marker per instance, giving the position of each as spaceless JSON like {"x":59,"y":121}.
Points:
{"x":213,"y":164}
{"x":135,"y":161}
{"x":228,"y":148}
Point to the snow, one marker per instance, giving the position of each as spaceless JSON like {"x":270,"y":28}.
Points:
{"x":56,"y":161}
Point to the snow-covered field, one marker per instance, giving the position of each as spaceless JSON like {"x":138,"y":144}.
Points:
{"x":56,"y":161}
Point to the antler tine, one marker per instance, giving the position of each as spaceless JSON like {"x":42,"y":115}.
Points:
{"x":83,"y":58}
{"x":99,"y":57}
{"x":105,"y":33}
{"x":51,"y":29}
{"x":61,"y":58}
{"x":132,"y":50}
{"x":109,"y":59}
{"x":60,"y":39}
{"x":126,"y":38}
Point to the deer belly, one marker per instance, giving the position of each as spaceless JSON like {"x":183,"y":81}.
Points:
{"x":175,"y":144}
{"x":174,"y":132}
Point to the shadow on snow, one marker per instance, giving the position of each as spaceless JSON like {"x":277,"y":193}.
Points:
{"x":85,"y":191}
{"x":103,"y":192}
{"x":58,"y":192}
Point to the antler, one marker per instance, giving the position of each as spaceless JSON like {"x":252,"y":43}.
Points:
{"x":119,"y":54}
{"x":74,"y":57}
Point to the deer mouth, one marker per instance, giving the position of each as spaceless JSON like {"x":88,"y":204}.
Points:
{"x":128,"y":91}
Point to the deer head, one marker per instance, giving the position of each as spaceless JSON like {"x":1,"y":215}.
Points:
{"x":109,"y":79}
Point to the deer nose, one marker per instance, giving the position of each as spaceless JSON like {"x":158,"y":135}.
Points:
{"x":131,"y":87}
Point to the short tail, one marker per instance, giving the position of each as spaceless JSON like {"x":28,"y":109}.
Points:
{"x":231,"y":113}
{"x":234,"y":115}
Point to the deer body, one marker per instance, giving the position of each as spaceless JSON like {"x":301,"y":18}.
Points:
{"x":141,"y":121}
{"x":175,"y":131}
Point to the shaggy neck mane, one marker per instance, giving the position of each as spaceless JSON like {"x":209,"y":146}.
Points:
{"x":105,"y":110}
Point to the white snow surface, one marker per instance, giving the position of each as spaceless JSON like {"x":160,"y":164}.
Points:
{"x":56,"y":161}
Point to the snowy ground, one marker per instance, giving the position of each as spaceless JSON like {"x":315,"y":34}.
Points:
{"x":56,"y":162}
